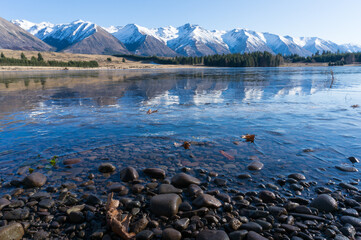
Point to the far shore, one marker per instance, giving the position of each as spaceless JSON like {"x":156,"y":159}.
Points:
{"x":116,"y":63}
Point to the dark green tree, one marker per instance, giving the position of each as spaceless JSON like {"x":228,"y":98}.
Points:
{"x":40,"y":57}
{"x":22,"y":56}
{"x":2,"y":55}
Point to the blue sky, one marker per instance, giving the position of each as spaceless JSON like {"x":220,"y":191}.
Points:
{"x":339,"y":21}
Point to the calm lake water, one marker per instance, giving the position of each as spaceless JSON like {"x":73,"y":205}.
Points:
{"x":101,"y":115}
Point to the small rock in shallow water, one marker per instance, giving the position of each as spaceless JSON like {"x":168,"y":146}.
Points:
{"x":155,"y":173}
{"x":71,"y":161}
{"x":183,"y":180}
{"x":267,"y":196}
{"x":255,"y":165}
{"x":212,"y":235}
{"x":297,"y":176}
{"x":35,"y":179}
{"x":14,"y":231}
{"x":324,"y":203}
{"x":165,"y":204}
{"x":106,"y":168}
{"x":128,"y":174}
{"x":353,"y":160}
{"x":346,"y":168}
{"x":348,"y":186}
{"x":168,"y":188}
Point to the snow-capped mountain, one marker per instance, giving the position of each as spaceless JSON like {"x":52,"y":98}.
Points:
{"x":39,"y":30}
{"x":186,"y":40}
{"x":76,"y":37}
{"x":16,"y":38}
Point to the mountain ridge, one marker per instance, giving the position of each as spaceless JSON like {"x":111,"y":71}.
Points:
{"x":185,"y":40}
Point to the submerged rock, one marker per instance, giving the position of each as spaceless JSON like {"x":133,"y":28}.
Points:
{"x":106,"y":168}
{"x":128,"y":174}
{"x":346,"y":168}
{"x":35,"y":179}
{"x":255,"y":165}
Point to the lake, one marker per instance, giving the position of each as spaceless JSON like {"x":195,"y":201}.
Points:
{"x":301,"y":122}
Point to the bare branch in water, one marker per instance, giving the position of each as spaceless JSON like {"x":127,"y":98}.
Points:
{"x":332,"y":79}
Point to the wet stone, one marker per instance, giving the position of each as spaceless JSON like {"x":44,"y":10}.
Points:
{"x":182,"y":224}
{"x":252,"y":226}
{"x":194,"y":190}
{"x":35,"y":179}
{"x":128,"y":174}
{"x":212,"y":235}
{"x":14,"y":231}
{"x":244,"y":176}
{"x":255,"y":166}
{"x":76,"y":217}
{"x":171,"y":234}
{"x":220,"y":182}
{"x":139,"y":225}
{"x":206,"y":200}
{"x":144,"y":235}
{"x":3,"y":203}
{"x":353,"y":160}
{"x":267,"y":196}
{"x":183,"y":180}
{"x":356,"y":222}
{"x":238,"y":235}
{"x":106,"y":168}
{"x":155,"y":173}
{"x":297,"y":176}
{"x":234,"y":224}
{"x":348,"y":186}
{"x":40,"y":235}
{"x":71,"y":161}
{"x":346,"y":168}
{"x":350,"y":212}
{"x":348,"y":230}
{"x":165,"y":204}
{"x":168,"y":188}
{"x":46,"y":203}
{"x":255,"y":236}
{"x":324,"y":203}
{"x":17,"y":214}
{"x":116,"y":187}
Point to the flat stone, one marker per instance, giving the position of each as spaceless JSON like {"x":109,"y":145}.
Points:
{"x":35,"y":179}
{"x":16,"y":214}
{"x":290,"y":228}
{"x":168,"y":188}
{"x":3,"y":203}
{"x":267,"y":196}
{"x":46,"y":203}
{"x":356,"y":222}
{"x":157,"y":173}
{"x":348,"y":186}
{"x":324,"y":203}
{"x":128,"y":174}
{"x":71,"y":161}
{"x":212,"y":235}
{"x":255,"y":166}
{"x":255,"y":236}
{"x":244,"y":176}
{"x":144,"y":235}
{"x":139,"y":225}
{"x":238,"y":235}
{"x":297,"y":176}
{"x":206,"y":200}
{"x":40,"y":195}
{"x":183,"y":180}
{"x":346,"y":168}
{"x":220,"y":182}
{"x":116,"y":187}
{"x":171,"y":234}
{"x":165,"y":204}
{"x":252,"y":226}
{"x":14,"y":231}
{"x":76,"y":208}
{"x":106,"y":168}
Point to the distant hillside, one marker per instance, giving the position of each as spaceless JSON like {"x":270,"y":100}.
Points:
{"x":16,"y":38}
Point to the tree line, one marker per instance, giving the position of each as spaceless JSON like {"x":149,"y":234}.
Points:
{"x":39,"y":61}
{"x":333,"y":59}
{"x":255,"y":59}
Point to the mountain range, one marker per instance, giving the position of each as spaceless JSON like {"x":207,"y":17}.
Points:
{"x":187,"y":40}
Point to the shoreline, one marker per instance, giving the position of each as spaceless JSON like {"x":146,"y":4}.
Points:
{"x":173,"y":203}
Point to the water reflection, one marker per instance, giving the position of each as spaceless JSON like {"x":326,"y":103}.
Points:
{"x":289,"y":109}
